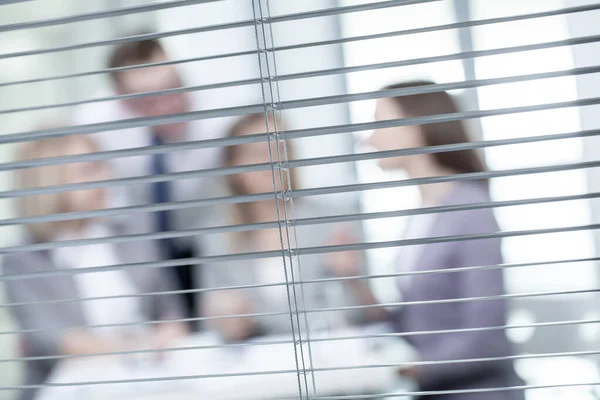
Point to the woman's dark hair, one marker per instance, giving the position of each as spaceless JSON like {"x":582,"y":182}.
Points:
{"x":442,"y":133}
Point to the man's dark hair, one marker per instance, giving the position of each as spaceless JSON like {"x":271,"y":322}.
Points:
{"x":133,"y":53}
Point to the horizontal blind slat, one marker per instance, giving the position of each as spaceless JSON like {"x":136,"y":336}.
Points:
{"x":427,"y":29}
{"x":119,"y":69}
{"x":297,"y":163}
{"x":322,"y":369}
{"x":315,"y":310}
{"x":443,"y":27}
{"x":439,"y":87}
{"x":340,"y":70}
{"x":334,"y":11}
{"x":465,"y":391}
{"x":330,"y":219}
{"x":291,"y":134}
{"x":328,"y":190}
{"x":317,"y":339}
{"x":136,"y":38}
{"x":345,"y":98}
{"x":435,"y":59}
{"x":225,"y":200}
{"x":303,"y":251}
{"x":115,"y":211}
{"x":181,"y":3}
{"x":316,"y":281}
{"x":101,"y":14}
{"x":185,"y":89}
{"x":366,"y":126}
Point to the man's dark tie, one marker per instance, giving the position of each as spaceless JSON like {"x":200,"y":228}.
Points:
{"x":161,"y":193}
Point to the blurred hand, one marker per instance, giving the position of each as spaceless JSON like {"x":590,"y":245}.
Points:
{"x":410,"y":372}
{"x":347,"y":263}
{"x":231,"y":302}
{"x":81,"y":341}
{"x":166,"y":334}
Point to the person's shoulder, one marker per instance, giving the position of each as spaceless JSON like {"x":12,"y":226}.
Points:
{"x":481,"y":217}
{"x":314,"y":226}
{"x":310,"y":208}
{"x":109,"y":111}
{"x":471,"y":192}
{"x":20,"y":263}
{"x":98,"y":111}
{"x":208,"y":128}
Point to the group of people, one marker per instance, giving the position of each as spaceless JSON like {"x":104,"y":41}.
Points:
{"x":68,"y":305}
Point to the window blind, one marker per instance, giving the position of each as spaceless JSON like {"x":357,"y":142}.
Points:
{"x":279,"y":96}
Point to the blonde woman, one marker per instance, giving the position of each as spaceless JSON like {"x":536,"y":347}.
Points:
{"x":89,"y":326}
{"x":268,"y":273}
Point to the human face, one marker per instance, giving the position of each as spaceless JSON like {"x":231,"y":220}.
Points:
{"x":152,"y":79}
{"x":91,"y":171}
{"x":256,"y":153}
{"x":396,"y":138}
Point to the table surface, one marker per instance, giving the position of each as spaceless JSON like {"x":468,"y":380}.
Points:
{"x":261,"y":371}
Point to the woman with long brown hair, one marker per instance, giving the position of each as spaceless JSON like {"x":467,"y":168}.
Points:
{"x":457,"y":322}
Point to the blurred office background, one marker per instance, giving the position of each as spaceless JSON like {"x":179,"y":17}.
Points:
{"x":580,"y":244}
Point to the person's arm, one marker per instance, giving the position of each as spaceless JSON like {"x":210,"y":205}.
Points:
{"x":40,"y":319}
{"x":81,"y":341}
{"x":225,"y":303}
{"x":347,"y":265}
{"x":32,"y":317}
{"x":364,"y":295}
{"x":167,"y":306}
{"x":474,"y":314}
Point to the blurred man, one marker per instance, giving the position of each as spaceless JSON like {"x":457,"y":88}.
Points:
{"x":153,"y":79}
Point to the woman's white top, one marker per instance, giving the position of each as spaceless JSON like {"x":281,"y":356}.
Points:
{"x":271,"y":271}
{"x":100,"y":284}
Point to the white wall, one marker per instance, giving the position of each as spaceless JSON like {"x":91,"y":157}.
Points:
{"x":584,"y":24}
{"x":246,"y":67}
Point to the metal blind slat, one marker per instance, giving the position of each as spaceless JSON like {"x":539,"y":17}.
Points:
{"x":330,"y":100}
{"x":316,"y":340}
{"x":404,"y":364}
{"x":291,"y":134}
{"x":305,"y":251}
{"x":315,"y":310}
{"x":435,"y":28}
{"x":301,"y":193}
{"x":101,"y":14}
{"x":296,"y":163}
{"x":294,"y":371}
{"x":474,"y":176}
{"x":315,"y":281}
{"x":435,"y":59}
{"x":333,"y":219}
{"x":466,"y":391}
{"x":337,"y":71}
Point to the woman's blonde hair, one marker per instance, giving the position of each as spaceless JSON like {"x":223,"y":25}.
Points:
{"x":242,"y":212}
{"x":50,"y":175}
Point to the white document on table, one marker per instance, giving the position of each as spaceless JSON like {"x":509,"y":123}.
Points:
{"x":265,"y":369}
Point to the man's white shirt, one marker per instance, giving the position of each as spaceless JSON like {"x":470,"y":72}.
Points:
{"x":177,"y":161}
